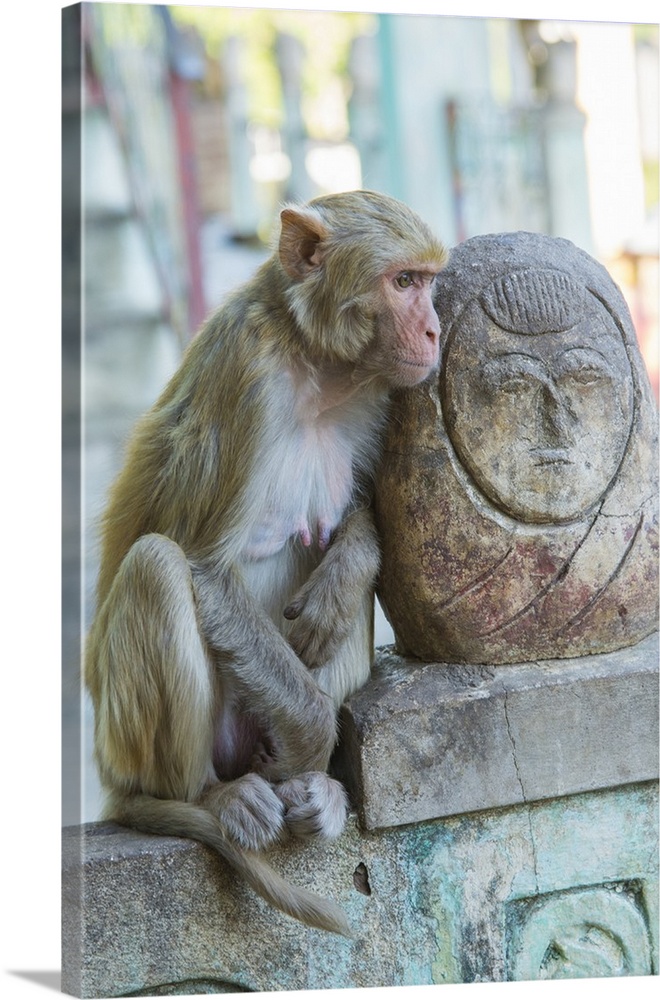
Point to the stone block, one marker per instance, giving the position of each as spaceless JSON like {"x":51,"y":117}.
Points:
{"x":566,"y":887}
{"x":427,"y":740}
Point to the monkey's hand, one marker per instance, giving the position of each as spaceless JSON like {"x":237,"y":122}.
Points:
{"x":320,"y":619}
{"x":324,"y":610}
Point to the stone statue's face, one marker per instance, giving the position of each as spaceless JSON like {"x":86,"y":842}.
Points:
{"x":541,"y":421}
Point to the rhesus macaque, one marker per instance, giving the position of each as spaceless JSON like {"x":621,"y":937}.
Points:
{"x":235,"y":595}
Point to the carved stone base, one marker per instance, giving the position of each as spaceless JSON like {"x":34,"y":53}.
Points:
{"x":566,"y":888}
{"x":493,"y":845}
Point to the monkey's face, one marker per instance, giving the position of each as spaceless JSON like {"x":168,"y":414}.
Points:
{"x":359,"y":268}
{"x":407,"y":332}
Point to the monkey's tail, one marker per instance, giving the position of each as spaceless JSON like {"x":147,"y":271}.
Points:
{"x":182,"y":819}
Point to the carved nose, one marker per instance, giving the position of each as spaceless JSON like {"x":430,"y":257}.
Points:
{"x":556,"y":416}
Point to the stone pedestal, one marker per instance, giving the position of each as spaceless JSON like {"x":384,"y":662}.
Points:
{"x":505,"y":828}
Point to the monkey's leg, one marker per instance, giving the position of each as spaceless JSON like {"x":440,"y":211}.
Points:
{"x":149,"y":677}
{"x":156,"y":701}
{"x":153,"y":687}
{"x":332,"y":628}
{"x":294,"y":750}
{"x":274,"y":685}
{"x":316,"y":805}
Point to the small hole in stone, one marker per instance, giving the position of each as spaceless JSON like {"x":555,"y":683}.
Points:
{"x":361,"y":879}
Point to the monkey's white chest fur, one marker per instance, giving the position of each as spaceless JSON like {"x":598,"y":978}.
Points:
{"x":304,"y":486}
{"x":315,"y":439}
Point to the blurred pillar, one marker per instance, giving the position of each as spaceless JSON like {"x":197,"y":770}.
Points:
{"x":365,"y":112}
{"x":607,"y":91}
{"x":244,"y":211}
{"x":394,"y":154}
{"x":564,"y":126}
{"x":186,"y":63}
{"x":290,"y":53}
{"x":425,"y":62}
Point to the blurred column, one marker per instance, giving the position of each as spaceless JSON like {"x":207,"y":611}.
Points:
{"x":365,"y":112}
{"x":389,"y":110}
{"x":244,"y":210}
{"x":290,"y":53}
{"x":425,"y":62}
{"x":566,"y":165}
{"x":607,"y":91}
{"x":186,"y":64}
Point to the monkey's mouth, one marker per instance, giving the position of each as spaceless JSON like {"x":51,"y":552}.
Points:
{"x":422,"y":366}
{"x":411,"y":373}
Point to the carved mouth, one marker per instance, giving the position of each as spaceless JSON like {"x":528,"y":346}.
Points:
{"x":551,"y":456}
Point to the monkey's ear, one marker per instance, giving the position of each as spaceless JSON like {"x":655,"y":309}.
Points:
{"x":300,"y":238}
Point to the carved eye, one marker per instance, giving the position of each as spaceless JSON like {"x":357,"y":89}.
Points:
{"x":404,"y":280}
{"x":516,"y":382}
{"x":585,"y":375}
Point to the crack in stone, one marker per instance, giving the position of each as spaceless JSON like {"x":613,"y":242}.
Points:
{"x":513,"y":746}
{"x":522,"y":789}
{"x":651,"y":498}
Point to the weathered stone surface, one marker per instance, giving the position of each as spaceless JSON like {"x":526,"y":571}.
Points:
{"x":426,"y":740}
{"x":517,"y":502}
{"x":494,"y":896}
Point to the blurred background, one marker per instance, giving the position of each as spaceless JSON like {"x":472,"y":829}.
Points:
{"x":195,"y":123}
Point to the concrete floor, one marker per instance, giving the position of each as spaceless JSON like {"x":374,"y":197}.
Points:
{"x":128,"y":355}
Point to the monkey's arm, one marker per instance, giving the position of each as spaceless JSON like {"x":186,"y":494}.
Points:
{"x":324,"y":610}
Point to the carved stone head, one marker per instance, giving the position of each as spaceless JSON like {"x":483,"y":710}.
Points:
{"x":517,"y":497}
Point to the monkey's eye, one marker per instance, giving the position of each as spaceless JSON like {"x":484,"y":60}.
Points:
{"x":404,"y":280}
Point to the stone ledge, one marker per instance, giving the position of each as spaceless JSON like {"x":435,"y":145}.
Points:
{"x":463,"y":899}
{"x":140,"y":912}
{"x":430,"y":740}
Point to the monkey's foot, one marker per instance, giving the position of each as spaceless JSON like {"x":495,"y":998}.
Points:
{"x":315,"y":805}
{"x":249,"y":811}
{"x":262,"y":759}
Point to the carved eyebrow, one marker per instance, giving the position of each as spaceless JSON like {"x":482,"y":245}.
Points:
{"x":575,"y":359}
{"x":589,"y":351}
{"x":499,"y":361}
{"x":513,"y":363}
{"x":498,"y":355}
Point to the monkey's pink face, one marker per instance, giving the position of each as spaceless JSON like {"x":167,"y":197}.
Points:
{"x":412,"y":329}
